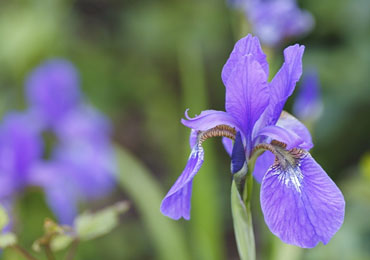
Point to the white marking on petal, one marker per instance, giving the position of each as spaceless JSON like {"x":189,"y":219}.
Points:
{"x":288,"y":169}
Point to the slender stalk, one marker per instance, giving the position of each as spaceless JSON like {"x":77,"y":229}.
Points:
{"x":72,"y":250}
{"x":23,"y":252}
{"x":48,"y":252}
{"x":243,"y":227}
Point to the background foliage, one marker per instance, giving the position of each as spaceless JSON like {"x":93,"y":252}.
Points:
{"x":143,"y":63}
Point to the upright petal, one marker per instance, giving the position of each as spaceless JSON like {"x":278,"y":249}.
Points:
{"x":53,"y":90}
{"x":247,"y":94}
{"x":209,"y":119}
{"x":248,"y":45}
{"x":176,"y":204}
{"x":283,"y":84}
{"x":301,"y":204}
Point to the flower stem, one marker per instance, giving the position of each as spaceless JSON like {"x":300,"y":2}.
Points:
{"x":48,"y":252}
{"x":242,"y":219}
{"x":23,"y":252}
{"x":72,"y":250}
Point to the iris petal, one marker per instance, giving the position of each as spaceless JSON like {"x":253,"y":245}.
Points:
{"x":283,"y":84}
{"x":176,"y":204}
{"x":301,"y":204}
{"x":247,"y":94}
{"x":228,"y":145}
{"x":237,"y":154}
{"x":209,"y":119}
{"x":248,"y":45}
{"x":290,"y":123}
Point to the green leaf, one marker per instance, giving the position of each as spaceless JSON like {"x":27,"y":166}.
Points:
{"x":7,"y":239}
{"x":3,"y":218}
{"x":61,"y":242}
{"x":144,"y":190}
{"x":92,"y":225}
{"x":243,"y":227}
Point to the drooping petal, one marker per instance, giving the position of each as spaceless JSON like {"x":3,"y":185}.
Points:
{"x":209,"y":119}
{"x":283,"y":84}
{"x":289,"y":122}
{"x":60,"y":189}
{"x":62,"y":203}
{"x":247,"y":94}
{"x":301,"y":204}
{"x":238,"y":154}
{"x":263,"y":163}
{"x":176,"y":204}
{"x":228,"y":145}
{"x":248,"y":45}
{"x":308,"y":104}
{"x":193,"y":138}
{"x":20,"y":148}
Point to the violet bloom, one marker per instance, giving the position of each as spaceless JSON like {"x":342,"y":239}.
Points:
{"x":81,"y":164}
{"x":275,"y":20}
{"x":308,"y":104}
{"x":300,"y":203}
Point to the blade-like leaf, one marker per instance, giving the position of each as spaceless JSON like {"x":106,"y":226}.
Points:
{"x":146,"y":194}
{"x":243,"y":227}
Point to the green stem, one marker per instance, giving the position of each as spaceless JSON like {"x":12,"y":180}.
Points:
{"x":72,"y":250}
{"x":23,"y":252}
{"x":243,"y":227}
{"x":48,"y":252}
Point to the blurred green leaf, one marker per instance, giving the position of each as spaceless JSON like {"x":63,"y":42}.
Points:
{"x":61,"y":242}
{"x":3,"y":218}
{"x":365,"y":166}
{"x":7,"y":239}
{"x":92,"y":225}
{"x":137,"y":181}
{"x":243,"y":227}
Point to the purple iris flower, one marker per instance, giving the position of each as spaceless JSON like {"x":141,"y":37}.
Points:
{"x":275,"y":20}
{"x":308,"y":104}
{"x":82,"y":165}
{"x":300,"y":203}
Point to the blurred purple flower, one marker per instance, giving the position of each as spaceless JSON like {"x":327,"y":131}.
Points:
{"x":308,"y":104}
{"x":275,"y":20}
{"x":53,"y":90}
{"x":82,"y":164}
{"x":301,"y":204}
